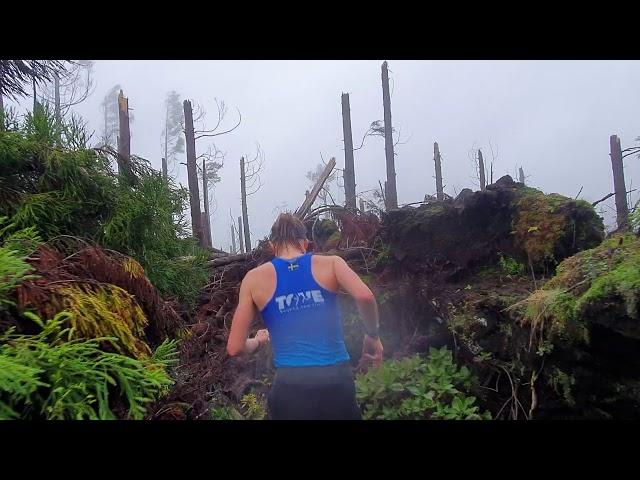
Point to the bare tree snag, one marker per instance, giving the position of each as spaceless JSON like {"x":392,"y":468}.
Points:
{"x":233,"y":240}
{"x":192,"y":173}
{"x":124,"y":139}
{"x":306,"y":205}
{"x":164,"y":168}
{"x":362,"y":205}
{"x":245,"y":214}
{"x":483,"y":181}
{"x":622,"y":208}
{"x":57,"y":113}
{"x":1,"y":113}
{"x":203,"y":216}
{"x":205,"y":197}
{"x":391,"y":193}
{"x":437,"y":160}
{"x":521,"y":175}
{"x":349,"y":168}
{"x":240,"y":235}
{"x":35,"y":95}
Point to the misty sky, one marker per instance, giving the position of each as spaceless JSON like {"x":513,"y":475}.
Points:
{"x":553,"y":118}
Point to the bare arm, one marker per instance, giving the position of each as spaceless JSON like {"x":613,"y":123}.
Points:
{"x":350,"y":281}
{"x":238,"y":342}
{"x":354,"y":286}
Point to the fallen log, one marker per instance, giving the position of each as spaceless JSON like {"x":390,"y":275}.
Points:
{"x":228,"y":259}
{"x":347,"y":254}
{"x":308,"y":203}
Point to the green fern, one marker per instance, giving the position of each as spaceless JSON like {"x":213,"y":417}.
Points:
{"x":50,"y":376}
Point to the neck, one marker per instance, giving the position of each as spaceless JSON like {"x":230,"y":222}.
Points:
{"x":288,"y":252}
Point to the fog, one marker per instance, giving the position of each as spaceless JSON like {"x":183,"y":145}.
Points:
{"x":553,"y":118}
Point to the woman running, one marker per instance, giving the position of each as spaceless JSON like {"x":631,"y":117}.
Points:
{"x":296,"y":293}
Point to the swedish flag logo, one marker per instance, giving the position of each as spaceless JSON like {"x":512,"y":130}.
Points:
{"x":293,"y":267}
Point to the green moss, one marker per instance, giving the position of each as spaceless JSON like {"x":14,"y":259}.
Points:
{"x":562,"y":384}
{"x":603,"y":278}
{"x":542,"y":222}
{"x":511,"y":266}
{"x":384,"y":256}
{"x":538,"y":225}
{"x":623,"y":282}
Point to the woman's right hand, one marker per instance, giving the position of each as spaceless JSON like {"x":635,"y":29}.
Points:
{"x":262,"y":336}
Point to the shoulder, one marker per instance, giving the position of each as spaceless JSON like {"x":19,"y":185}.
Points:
{"x":259,"y":273}
{"x":327,"y":260}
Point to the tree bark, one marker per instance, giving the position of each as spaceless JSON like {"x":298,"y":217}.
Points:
{"x":391,"y":193}
{"x":56,"y":87}
{"x":166,"y":132}
{"x":311,"y":197}
{"x":203,"y":216}
{"x":164,"y":168}
{"x":106,"y":133}
{"x":35,"y":101}
{"x":233,"y":240}
{"x":245,"y":215}
{"x":622,"y":208}
{"x":521,"y":175}
{"x":349,"y":168}
{"x":240,"y":240}
{"x":483,"y":181}
{"x":205,"y":197}
{"x":437,"y":161}
{"x":362,"y":205}
{"x":1,"y":113}
{"x":124,"y":142}
{"x":192,"y":174}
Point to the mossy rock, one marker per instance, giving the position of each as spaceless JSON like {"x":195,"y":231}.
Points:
{"x":549,"y":228}
{"x":600,"y":285}
{"x":585,"y":321}
{"x":507,"y":218}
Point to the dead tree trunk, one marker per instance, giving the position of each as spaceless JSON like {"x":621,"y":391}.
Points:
{"x":245,"y":215}
{"x":619,"y":187}
{"x":391,"y":193}
{"x":124,"y":138}
{"x":205,"y":197}
{"x":521,"y":175}
{"x":302,"y":211}
{"x":166,"y":133}
{"x":192,"y":174}
{"x":107,"y":135}
{"x":483,"y":181}
{"x":203,"y":219}
{"x":164,"y":168}
{"x":438,"y":162}
{"x":362,"y":205}
{"x":35,"y":98}
{"x":56,"y":87}
{"x":1,"y":113}
{"x":240,"y":241}
{"x":233,"y":239}
{"x":349,"y":168}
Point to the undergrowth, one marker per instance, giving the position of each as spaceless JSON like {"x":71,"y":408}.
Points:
{"x":53,"y":183}
{"x":415,"y":388}
{"x":52,"y":376}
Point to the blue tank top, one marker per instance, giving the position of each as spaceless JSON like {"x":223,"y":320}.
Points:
{"x":303,"y":319}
